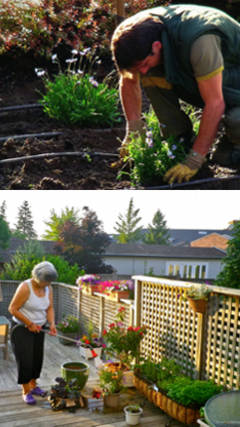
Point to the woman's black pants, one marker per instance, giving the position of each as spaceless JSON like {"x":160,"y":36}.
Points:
{"x":28,"y":349}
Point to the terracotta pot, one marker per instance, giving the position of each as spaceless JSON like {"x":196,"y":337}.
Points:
{"x":90,"y":289}
{"x":198,"y":305}
{"x":112,"y":400}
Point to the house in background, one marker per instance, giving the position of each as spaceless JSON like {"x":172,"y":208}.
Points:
{"x":161,"y":260}
{"x":200,"y":237}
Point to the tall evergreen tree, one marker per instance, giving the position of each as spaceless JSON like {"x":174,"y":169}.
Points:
{"x":3,"y":208}
{"x":157,"y":232}
{"x":230,"y":275}
{"x":127,"y":225}
{"x":24,"y":224}
{"x":5,"y":233}
{"x":56,"y":222}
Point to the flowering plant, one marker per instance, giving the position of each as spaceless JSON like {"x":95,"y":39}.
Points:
{"x":75,"y":96}
{"x":150,"y":155}
{"x":198,"y":292}
{"x":111,"y":380}
{"x":68,"y":324}
{"x":108,"y":286}
{"x":88,"y":279}
{"x":123,"y":341}
{"x":91,"y":339}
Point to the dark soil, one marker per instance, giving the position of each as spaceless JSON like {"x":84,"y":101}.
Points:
{"x":18,"y":86}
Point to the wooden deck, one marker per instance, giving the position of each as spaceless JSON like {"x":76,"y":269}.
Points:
{"x":14,"y":412}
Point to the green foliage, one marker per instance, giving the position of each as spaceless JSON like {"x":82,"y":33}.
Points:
{"x":163,"y":374}
{"x":230,"y":275}
{"x":68,"y":324}
{"x":75,"y":97}
{"x":157,"y":232}
{"x":56,"y":222}
{"x":150,"y":157}
{"x":5,"y":233}
{"x":22,"y":263}
{"x":195,"y":393}
{"x":127,"y":225}
{"x":198,"y":292}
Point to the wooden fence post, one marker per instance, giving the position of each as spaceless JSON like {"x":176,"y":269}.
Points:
{"x":119,"y":4}
{"x":101,"y":314}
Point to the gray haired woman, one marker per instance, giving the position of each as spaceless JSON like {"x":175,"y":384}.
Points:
{"x":31,"y":309}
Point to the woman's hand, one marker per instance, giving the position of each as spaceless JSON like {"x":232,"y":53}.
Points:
{"x":32,"y":327}
{"x":53,"y":330}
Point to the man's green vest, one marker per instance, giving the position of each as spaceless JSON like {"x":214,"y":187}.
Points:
{"x":185,"y":23}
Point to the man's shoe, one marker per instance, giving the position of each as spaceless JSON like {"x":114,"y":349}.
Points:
{"x":38,"y":392}
{"x":29,"y":399}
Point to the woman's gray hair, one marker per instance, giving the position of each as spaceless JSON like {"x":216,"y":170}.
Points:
{"x":44,"y":272}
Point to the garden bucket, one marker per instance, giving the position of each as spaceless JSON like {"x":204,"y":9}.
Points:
{"x":75,"y":370}
{"x":223,"y":410}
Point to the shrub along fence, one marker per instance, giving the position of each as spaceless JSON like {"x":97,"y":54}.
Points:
{"x":207,"y":345}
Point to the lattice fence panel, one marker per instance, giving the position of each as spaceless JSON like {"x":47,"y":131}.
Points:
{"x":172,"y":326}
{"x":223,"y":342}
{"x":68,"y":301}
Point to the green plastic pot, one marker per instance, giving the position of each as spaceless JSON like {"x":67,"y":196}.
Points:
{"x":75,"y":370}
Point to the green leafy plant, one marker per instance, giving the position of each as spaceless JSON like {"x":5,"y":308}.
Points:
{"x":122,"y":341}
{"x":161,"y":374}
{"x":193,"y":393}
{"x":75,"y":96}
{"x":150,"y":156}
{"x":68,"y":324}
{"x":111,"y":381}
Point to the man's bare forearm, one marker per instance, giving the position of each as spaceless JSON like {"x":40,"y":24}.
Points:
{"x":131,"y":97}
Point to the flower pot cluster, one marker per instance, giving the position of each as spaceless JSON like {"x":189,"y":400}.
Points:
{"x":165,"y":386}
{"x":197,"y":296}
{"x":68,"y":327}
{"x":91,"y":345}
{"x":112,"y":289}
{"x":65,"y":395}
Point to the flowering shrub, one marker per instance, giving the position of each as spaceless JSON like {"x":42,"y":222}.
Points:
{"x":122,"y":341}
{"x":68,"y":324}
{"x":151,"y":156}
{"x":76,"y":97}
{"x":91,"y":339}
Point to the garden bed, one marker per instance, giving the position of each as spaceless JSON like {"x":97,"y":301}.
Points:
{"x":18,"y":86}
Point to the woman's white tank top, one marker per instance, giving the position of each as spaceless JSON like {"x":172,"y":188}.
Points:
{"x":35,"y":308}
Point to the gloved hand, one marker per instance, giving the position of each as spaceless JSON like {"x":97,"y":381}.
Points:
{"x":132,"y":126}
{"x":186,"y":170}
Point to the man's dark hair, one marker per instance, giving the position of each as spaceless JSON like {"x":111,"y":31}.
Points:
{"x":132,"y":40}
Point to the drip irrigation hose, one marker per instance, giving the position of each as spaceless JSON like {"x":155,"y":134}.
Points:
{"x":191,"y":183}
{"x":19,"y":107}
{"x":30,"y":135}
{"x":61,"y":154}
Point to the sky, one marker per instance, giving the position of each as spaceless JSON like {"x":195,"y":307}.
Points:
{"x":210,"y":209}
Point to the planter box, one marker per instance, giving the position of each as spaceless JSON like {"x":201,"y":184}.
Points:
{"x":179,"y":412}
{"x":89,"y":289}
{"x":117,"y":295}
{"x":87,"y":354}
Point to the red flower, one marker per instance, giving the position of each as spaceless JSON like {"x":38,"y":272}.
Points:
{"x":130,"y":328}
{"x":94,"y":354}
{"x":112,"y":325}
{"x":121,"y":309}
{"x":104,"y":332}
{"x":87,"y":342}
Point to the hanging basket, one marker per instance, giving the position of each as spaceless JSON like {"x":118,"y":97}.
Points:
{"x":198,"y":305}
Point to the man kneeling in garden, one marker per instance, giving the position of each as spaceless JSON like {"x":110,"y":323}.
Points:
{"x":182,"y":52}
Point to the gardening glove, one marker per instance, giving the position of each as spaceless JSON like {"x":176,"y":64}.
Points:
{"x":132,"y":126}
{"x":186,"y":170}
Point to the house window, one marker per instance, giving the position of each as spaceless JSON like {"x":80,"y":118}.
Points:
{"x":190,"y":270}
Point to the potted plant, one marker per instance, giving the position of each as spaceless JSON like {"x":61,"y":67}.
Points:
{"x":69,"y":328}
{"x":88,"y":283}
{"x":111,"y":385}
{"x":65,"y":395}
{"x":79,"y":371}
{"x":116,"y":289}
{"x":133,"y":414}
{"x":91,"y":345}
{"x":197,"y":296}
{"x":124,"y":343}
